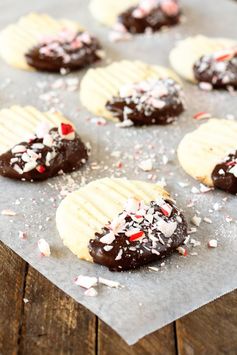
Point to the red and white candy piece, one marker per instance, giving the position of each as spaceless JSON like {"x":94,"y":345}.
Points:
{"x":166,"y":209}
{"x":182,"y":251}
{"x":201,"y":115}
{"x":224,"y":55}
{"x":66,"y":131}
{"x":41,"y":169}
{"x":136,"y":236}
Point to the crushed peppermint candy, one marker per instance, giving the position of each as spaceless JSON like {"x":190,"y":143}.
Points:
{"x":44,"y":247}
{"x":212,"y":243}
{"x":217,"y":70}
{"x":146,"y":165}
{"x":196,"y":220}
{"x":147,"y":101}
{"x":140,"y":231}
{"x":86,"y":281}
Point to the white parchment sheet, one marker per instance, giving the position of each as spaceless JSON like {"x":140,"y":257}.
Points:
{"x":149,"y":299}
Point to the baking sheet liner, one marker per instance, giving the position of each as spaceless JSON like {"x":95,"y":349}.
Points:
{"x":149,"y":299}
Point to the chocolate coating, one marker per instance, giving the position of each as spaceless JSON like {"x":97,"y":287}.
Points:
{"x":140,"y":109}
{"x":57,"y":54}
{"x":139,"y":252}
{"x":223,"y":175}
{"x":155,"y":20}
{"x":221,"y":74}
{"x":68,"y":155}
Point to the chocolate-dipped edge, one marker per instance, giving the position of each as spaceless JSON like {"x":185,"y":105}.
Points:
{"x":70,"y":156}
{"x":173,"y":107}
{"x":155,"y":20}
{"x":222,"y":178}
{"x":219,"y":79}
{"x":142,"y":256}
{"x":77,"y":58}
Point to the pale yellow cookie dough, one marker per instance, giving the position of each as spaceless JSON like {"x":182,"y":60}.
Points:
{"x":87,"y":210}
{"x":19,"y":123}
{"x":205,"y":147}
{"x":101,"y":84}
{"x":107,"y":11}
{"x":18,"y":38}
{"x":188,"y":51}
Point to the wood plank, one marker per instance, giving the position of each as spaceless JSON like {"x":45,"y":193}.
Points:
{"x":12,"y":275}
{"x":53,"y":323}
{"x":158,"y":343}
{"x":211,"y":329}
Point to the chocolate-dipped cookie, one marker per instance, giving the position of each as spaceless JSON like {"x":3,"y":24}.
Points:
{"x":109,"y":86}
{"x":38,"y":41}
{"x":120,"y":223}
{"x":140,"y":234}
{"x":209,"y":154}
{"x":148,"y":102}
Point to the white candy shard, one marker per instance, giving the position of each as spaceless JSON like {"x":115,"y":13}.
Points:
{"x":109,"y":283}
{"x":212,"y":243}
{"x":18,"y":149}
{"x":196,"y":220}
{"x":108,"y":238}
{"x":42,"y":129}
{"x":91,"y":292}
{"x":146,"y":165}
{"x":44,"y":247}
{"x":86,"y":281}
{"x":166,"y":228}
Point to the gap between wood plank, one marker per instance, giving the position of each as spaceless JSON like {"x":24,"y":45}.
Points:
{"x":176,"y":339}
{"x":26,"y":268}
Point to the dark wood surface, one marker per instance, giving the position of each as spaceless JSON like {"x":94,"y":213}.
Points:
{"x":53,"y":323}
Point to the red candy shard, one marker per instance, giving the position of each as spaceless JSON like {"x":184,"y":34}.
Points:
{"x":66,"y":128}
{"x":40,"y":168}
{"x":136,"y":236}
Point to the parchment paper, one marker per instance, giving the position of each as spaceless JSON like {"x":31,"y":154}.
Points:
{"x":149,"y":299}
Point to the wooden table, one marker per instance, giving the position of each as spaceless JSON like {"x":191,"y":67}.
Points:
{"x":51,"y":322}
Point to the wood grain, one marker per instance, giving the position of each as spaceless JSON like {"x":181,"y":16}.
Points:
{"x":211,"y":329}
{"x":12,"y":274}
{"x":161,"y":342}
{"x":53,"y":323}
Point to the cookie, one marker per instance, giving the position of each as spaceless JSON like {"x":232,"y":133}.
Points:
{"x":107,"y":11}
{"x":209,"y":155}
{"x":37,"y":145}
{"x":91,"y":223}
{"x":104,"y":84}
{"x":187,"y":52}
{"x":37,"y":41}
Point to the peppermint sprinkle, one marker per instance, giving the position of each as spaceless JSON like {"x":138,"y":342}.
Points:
{"x":212,"y":243}
{"x":44,"y":247}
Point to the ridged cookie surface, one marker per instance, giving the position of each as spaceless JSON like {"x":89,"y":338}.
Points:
{"x":188,"y":51}
{"x":101,"y":84}
{"x":87,"y":210}
{"x":18,"y":38}
{"x":201,"y":150}
{"x":18,"y":123}
{"x":106,"y":11}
